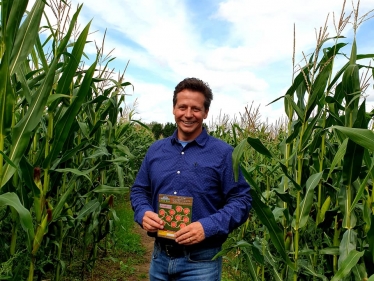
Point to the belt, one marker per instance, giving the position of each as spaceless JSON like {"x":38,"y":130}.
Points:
{"x":172,"y":249}
{"x":175,"y":250}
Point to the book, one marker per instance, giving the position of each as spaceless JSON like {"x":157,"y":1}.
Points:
{"x":176,"y":212}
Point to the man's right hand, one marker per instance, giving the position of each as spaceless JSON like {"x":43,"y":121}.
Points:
{"x":151,"y":222}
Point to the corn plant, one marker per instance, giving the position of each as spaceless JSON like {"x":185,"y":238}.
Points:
{"x":318,"y":214}
{"x":63,"y":147}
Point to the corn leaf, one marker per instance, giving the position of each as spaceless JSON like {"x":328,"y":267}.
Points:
{"x":295,"y":131}
{"x":351,"y":90}
{"x":110,"y":189}
{"x":259,"y":253}
{"x":359,"y":272}
{"x":298,"y":110}
{"x":22,"y":131}
{"x":310,"y":271}
{"x":352,"y":162}
{"x":54,"y":97}
{"x":309,"y":131}
{"x":27,"y":173}
{"x":7,"y":99}
{"x":88,"y":208}
{"x":347,"y":245}
{"x":370,"y":240}
{"x":64,"y":124}
{"x":346,"y":267}
{"x":56,"y":212}
{"x":361,"y":190}
{"x":236,"y":156}
{"x":329,"y":251}
{"x":72,"y":66}
{"x":77,"y":171}
{"x":307,"y":202}
{"x":7,"y":160}
{"x":363,"y":137}
{"x":251,"y":266}
{"x":355,"y":153}
{"x":20,"y":72}
{"x":11,"y":199}
{"x":318,"y":89}
{"x":338,"y":156}
{"x":70,"y":153}
{"x":259,"y":147}
{"x":13,"y":20}
{"x":26,"y":35}
{"x":276,"y":234}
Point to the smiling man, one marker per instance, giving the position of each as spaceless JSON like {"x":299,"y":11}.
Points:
{"x":189,"y":166}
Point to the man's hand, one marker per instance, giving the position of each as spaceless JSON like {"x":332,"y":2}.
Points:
{"x":191,"y":234}
{"x":151,"y":222}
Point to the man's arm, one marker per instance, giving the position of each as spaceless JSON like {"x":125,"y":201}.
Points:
{"x":141,"y":197}
{"x":237,"y":203}
{"x":230,"y":216}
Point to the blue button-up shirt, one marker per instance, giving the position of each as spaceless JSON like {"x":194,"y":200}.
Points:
{"x":202,"y":170}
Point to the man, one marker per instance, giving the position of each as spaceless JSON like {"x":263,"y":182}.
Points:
{"x":190,"y":163}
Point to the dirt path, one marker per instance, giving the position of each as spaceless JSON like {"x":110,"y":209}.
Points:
{"x":122,"y":266}
{"x":147,"y":242}
{"x":112,"y":269}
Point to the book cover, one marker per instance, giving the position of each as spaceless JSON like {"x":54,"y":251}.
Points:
{"x":175,"y":211}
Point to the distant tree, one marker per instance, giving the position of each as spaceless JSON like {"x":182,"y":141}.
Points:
{"x":156,"y":130}
{"x":206,"y":127}
{"x":169,"y":129}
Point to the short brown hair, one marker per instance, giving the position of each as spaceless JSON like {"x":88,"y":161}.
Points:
{"x":194,"y":84}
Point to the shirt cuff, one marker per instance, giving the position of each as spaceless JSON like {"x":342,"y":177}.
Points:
{"x":210,"y":228}
{"x":139,"y":215}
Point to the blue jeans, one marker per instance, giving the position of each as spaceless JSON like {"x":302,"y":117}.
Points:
{"x":193,"y":265}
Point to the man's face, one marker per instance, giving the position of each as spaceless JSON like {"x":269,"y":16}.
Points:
{"x":189,"y":113}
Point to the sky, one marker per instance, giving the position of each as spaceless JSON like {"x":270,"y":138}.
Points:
{"x":242,"y":48}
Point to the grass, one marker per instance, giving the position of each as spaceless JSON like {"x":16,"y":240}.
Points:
{"x":125,"y":238}
{"x":125,"y":250}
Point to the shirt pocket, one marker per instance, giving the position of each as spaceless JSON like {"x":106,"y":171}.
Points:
{"x":204,"y":180}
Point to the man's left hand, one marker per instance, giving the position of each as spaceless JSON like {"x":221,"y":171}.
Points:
{"x":191,"y":234}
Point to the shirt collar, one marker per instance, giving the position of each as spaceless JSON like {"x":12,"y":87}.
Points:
{"x":200,"y":140}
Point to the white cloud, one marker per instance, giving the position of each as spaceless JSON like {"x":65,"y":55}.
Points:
{"x":249,"y":61}
{"x":153,"y":102}
{"x":269,"y":24}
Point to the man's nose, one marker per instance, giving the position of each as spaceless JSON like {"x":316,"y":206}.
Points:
{"x":188,"y":112}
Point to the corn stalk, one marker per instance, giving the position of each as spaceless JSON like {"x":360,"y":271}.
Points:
{"x":326,"y":161}
{"x":59,"y":133}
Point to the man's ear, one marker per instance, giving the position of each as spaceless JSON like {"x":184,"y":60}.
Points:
{"x":206,"y":113}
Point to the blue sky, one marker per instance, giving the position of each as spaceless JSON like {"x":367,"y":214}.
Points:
{"x":242,"y":48}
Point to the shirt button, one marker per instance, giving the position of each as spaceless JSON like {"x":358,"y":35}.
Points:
{"x":178,"y":172}
{"x":182,"y":152}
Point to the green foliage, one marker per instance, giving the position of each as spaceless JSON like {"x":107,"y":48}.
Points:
{"x":64,"y":150}
{"x":169,"y":129}
{"x":160,"y":130}
{"x":66,"y":157}
{"x":312,"y":184}
{"x":157,"y":130}
{"x":125,"y":239}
